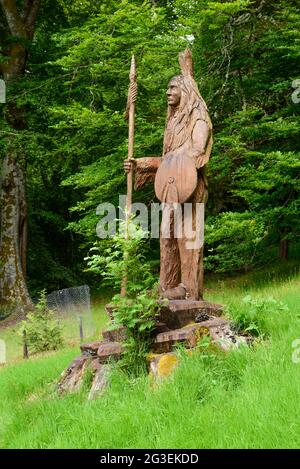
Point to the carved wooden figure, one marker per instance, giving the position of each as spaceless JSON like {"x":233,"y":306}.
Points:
{"x":179,"y":178}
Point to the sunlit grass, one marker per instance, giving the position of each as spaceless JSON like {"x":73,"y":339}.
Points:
{"x":93,"y":322}
{"x":248,"y":398}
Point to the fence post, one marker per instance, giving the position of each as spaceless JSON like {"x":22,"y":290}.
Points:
{"x":80,"y":328}
{"x":25,"y":346}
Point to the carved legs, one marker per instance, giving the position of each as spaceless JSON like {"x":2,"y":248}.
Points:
{"x":191,"y":270}
{"x":191,"y":252}
{"x":170,"y":274}
{"x":181,"y":253}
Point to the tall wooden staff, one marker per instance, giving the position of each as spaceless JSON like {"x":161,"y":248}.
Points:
{"x":130,"y":113}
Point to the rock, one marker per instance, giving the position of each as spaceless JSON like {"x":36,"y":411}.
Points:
{"x":225,"y":338}
{"x":219,"y":331}
{"x":161,"y":366}
{"x":211,"y":328}
{"x":165,"y":341}
{"x":100,"y":381}
{"x":109,"y":350}
{"x":115,"y":335}
{"x":95,"y":365}
{"x":189,"y":335}
{"x":160,"y":327}
{"x":90,"y":348}
{"x":179,"y":313}
{"x":71,"y":378}
{"x":176,"y":293}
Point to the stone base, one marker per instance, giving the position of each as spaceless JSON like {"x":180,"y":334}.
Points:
{"x":114,"y":335}
{"x":182,"y":321}
{"x":71,"y":378}
{"x":218,"y":329}
{"x":96,"y":357}
{"x":100,"y":381}
{"x":179,"y":313}
{"x":162,"y":366}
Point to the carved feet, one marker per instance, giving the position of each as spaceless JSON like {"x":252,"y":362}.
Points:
{"x":177,"y":293}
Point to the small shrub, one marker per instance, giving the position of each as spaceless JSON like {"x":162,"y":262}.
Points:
{"x":43,"y":331}
{"x":138,"y":310}
{"x":138,"y":315}
{"x":253,"y":314}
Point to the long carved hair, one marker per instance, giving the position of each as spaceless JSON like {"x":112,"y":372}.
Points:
{"x":181,"y":120}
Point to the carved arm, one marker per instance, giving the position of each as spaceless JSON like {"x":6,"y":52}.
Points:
{"x":145,"y":169}
{"x":200,"y":139}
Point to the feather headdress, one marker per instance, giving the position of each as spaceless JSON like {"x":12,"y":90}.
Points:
{"x":186,"y":63}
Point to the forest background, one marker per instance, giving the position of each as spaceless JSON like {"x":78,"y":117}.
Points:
{"x":63,"y":136}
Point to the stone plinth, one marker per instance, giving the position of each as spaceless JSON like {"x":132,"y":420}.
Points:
{"x":90,"y":349}
{"x":115,"y":335}
{"x":109,"y":350}
{"x":189,"y":335}
{"x":182,"y":321}
{"x":179,"y":313}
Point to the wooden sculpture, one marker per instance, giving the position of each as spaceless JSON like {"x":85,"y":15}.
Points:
{"x":179,"y":178}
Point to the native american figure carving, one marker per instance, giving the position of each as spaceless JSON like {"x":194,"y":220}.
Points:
{"x":179,"y":178}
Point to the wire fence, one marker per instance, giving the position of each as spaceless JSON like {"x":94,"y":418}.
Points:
{"x":71,"y":308}
{"x":73,"y":303}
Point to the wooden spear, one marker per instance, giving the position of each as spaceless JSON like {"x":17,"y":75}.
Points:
{"x":130,"y":113}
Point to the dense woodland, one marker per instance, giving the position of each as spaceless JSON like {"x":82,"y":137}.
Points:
{"x":63,"y":136}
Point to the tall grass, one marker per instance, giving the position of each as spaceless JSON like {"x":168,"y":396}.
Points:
{"x":248,"y":398}
{"x":93,"y":322}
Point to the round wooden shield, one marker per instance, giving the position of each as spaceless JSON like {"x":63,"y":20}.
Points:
{"x":176,"y":178}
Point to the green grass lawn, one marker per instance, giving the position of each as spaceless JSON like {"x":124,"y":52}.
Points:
{"x":93,"y":322}
{"x":248,"y":398}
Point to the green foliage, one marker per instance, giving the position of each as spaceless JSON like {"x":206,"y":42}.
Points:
{"x":254,"y":315}
{"x":138,"y":314}
{"x":233,"y":240}
{"x":43,"y":331}
{"x":139,"y":308}
{"x":87,"y":379}
{"x":246,"y":56}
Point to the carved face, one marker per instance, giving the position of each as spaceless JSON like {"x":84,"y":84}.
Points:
{"x":173,"y":93}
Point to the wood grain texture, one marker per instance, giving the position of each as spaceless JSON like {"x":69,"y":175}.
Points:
{"x":176,"y":178}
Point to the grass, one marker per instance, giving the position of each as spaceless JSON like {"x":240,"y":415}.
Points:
{"x":248,"y":398}
{"x":93,"y":322}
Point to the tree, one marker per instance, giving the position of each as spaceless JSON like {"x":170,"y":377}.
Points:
{"x":67,"y":112}
{"x":16,"y":35}
{"x":247,"y":52}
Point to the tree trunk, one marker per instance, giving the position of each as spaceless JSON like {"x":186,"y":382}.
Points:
{"x":284,"y":249}
{"x":13,"y":241}
{"x":13,"y":287}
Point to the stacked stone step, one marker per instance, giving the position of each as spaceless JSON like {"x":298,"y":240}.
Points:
{"x":182,"y":321}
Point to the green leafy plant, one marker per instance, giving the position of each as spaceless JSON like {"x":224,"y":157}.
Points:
{"x":139,"y":308}
{"x":253,"y":314}
{"x":43,"y":331}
